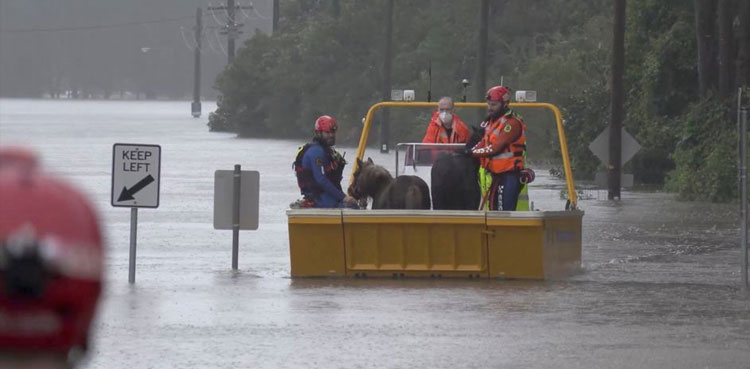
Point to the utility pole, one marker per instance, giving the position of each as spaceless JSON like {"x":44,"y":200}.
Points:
{"x":615,"y":129}
{"x":743,"y":189}
{"x":231,"y":29}
{"x":196,"y":106}
{"x":385,"y":116}
{"x":275,"y":16}
{"x":726,"y":47}
{"x":481,"y":79}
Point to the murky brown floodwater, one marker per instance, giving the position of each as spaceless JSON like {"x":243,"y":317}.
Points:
{"x":660,"y":286}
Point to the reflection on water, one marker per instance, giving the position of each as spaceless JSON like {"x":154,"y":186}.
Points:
{"x":659,"y":286}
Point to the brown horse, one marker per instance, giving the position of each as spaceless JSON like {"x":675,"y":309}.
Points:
{"x":404,"y":192}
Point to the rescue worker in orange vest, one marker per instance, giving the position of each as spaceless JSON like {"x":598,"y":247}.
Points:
{"x":445,"y":126}
{"x":501,"y":151}
{"x":51,"y":266}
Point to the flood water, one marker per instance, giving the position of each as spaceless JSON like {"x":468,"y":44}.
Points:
{"x":660,"y":286}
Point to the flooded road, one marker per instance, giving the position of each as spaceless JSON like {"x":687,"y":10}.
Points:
{"x":659,"y":288}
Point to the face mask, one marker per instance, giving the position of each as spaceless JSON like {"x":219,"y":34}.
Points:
{"x":446,"y":117}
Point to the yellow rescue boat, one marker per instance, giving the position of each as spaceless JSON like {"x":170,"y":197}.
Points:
{"x":438,"y":243}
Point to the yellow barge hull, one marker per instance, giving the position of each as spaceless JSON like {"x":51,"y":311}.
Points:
{"x":434,"y":243}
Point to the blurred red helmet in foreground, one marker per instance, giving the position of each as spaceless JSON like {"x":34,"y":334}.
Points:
{"x":17,"y":157}
{"x":51,"y":260}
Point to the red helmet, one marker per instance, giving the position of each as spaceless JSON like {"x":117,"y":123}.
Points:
{"x":498,"y":93}
{"x":326,"y":123}
{"x":51,"y":261}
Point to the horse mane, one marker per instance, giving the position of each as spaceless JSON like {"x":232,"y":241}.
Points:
{"x":404,"y":192}
{"x":454,"y":178}
{"x":372,"y":178}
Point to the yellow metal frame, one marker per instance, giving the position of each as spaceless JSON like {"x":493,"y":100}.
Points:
{"x":555,"y":110}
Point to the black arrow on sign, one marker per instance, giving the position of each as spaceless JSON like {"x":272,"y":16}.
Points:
{"x":127,"y":194}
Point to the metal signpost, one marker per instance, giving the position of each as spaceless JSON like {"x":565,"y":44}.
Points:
{"x":135,"y":184}
{"x":236,"y":198}
{"x":743,"y":193}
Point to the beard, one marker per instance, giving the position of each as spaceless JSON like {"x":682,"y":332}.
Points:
{"x":491,"y":117}
{"x":330,"y":141}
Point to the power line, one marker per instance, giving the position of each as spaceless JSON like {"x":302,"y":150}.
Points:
{"x":80,"y":28}
{"x":188,"y":44}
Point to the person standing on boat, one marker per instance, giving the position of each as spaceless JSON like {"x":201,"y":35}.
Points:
{"x":446,"y":126}
{"x":502,"y":150}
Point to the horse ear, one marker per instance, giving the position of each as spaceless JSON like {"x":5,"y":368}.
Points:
{"x":359,"y":162}
{"x":369,"y":160}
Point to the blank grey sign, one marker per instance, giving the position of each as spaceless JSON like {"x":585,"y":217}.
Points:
{"x":249,"y":199}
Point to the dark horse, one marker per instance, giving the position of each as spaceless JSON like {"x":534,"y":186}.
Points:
{"x":455,"y":178}
{"x":404,"y":192}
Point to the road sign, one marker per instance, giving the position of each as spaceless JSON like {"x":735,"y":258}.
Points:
{"x":224,"y":199}
{"x":135,"y":175}
{"x":600,"y":178}
{"x":600,"y":147}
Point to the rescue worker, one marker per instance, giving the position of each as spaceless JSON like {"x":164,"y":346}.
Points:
{"x":445,"y":126}
{"x":319,"y":169}
{"x":502,"y":149}
{"x":51,"y":265}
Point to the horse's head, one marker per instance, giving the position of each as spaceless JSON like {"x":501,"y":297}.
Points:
{"x":368,"y":179}
{"x":355,"y":189}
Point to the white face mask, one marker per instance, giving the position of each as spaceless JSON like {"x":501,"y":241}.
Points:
{"x":446,"y":117}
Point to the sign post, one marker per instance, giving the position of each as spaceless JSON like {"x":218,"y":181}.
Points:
{"x":743,"y":195}
{"x":236,"y":198}
{"x":236,"y":177}
{"x":600,"y":148}
{"x":136,"y":170}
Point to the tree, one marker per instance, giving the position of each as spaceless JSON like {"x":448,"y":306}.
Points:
{"x":725,"y":11}
{"x":385,"y":143}
{"x":618,"y":65}
{"x":743,"y":41}
{"x":480,"y":81}
{"x":705,"y":26}
{"x":323,"y":64}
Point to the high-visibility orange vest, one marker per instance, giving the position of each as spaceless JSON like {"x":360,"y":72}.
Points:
{"x":436,"y":133}
{"x":511,"y":157}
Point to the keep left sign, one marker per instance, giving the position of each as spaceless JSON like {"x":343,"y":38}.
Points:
{"x":135,"y":175}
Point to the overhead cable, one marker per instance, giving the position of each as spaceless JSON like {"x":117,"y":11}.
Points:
{"x":101,"y":26}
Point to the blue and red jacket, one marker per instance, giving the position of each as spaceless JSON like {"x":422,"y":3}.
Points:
{"x":319,"y":171}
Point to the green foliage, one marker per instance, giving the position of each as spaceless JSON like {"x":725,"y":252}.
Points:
{"x":320,"y":64}
{"x":328,"y":59}
{"x":706,"y":155}
{"x":663,"y":82}
{"x":278,"y":85}
{"x":572,"y":72}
